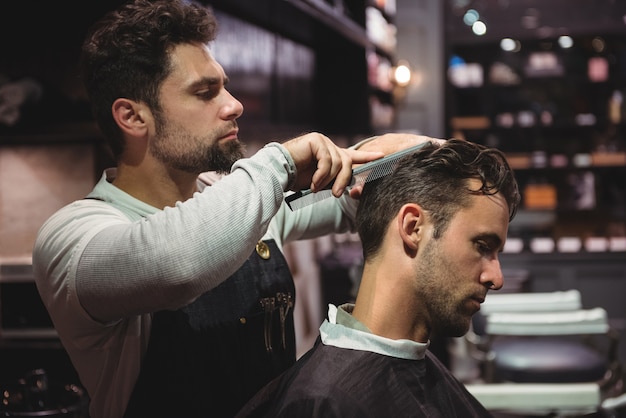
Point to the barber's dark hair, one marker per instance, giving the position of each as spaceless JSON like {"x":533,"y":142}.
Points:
{"x":126,"y":54}
{"x":437,"y":178}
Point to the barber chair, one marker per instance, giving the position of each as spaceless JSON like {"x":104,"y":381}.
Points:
{"x":542,"y":355}
{"x":479,"y":342}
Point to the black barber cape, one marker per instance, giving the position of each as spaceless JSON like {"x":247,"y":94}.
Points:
{"x":335,"y":382}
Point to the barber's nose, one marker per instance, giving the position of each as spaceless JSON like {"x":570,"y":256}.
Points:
{"x":233,"y":108}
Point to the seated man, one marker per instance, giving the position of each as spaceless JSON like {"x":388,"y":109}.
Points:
{"x":431,"y":233}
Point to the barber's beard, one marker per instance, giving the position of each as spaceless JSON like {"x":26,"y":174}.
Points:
{"x":195,"y":154}
{"x":221,"y":156}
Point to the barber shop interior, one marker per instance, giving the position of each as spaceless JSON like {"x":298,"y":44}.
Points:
{"x":542,"y":81}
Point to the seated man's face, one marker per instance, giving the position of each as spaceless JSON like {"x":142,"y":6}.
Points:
{"x":456,"y":270}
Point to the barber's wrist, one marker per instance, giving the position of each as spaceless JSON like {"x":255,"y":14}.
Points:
{"x":290,"y":165}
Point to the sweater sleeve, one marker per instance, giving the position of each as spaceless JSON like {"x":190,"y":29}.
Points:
{"x":165,"y":260}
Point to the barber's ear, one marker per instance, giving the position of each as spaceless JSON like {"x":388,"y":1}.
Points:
{"x":130,"y":116}
{"x":410,"y":220}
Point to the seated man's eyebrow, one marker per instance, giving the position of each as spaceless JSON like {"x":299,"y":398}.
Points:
{"x":209,"y":81}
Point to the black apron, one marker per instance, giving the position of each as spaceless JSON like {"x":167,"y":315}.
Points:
{"x":208,"y":358}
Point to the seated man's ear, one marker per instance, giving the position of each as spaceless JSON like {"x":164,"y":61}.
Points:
{"x":411,"y":218}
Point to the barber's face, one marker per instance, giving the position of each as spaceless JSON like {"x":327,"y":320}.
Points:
{"x":456,"y":270}
{"x":197,"y":128}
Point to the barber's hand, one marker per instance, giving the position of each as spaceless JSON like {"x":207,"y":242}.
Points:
{"x":390,"y":143}
{"x":319,"y":161}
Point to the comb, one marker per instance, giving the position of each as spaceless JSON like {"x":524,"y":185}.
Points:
{"x":360,"y":175}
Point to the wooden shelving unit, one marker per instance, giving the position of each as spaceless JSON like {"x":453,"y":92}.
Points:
{"x":561,"y":124}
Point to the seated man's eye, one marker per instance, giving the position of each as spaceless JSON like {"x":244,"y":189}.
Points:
{"x":483,"y":247}
{"x":208,"y":94}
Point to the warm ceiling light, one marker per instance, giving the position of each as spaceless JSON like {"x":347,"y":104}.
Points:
{"x":402,"y":74}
